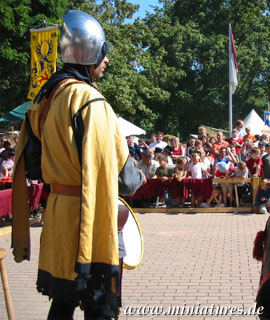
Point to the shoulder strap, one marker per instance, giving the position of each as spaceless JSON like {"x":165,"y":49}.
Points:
{"x":78,"y":126}
{"x":45,"y":110}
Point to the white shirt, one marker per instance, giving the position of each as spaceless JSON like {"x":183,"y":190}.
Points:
{"x":241,"y":133}
{"x":196,"y":170}
{"x":161,"y":145}
{"x":243,"y":174}
{"x":206,"y":163}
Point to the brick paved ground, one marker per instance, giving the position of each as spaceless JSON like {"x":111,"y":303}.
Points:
{"x":190,"y":259}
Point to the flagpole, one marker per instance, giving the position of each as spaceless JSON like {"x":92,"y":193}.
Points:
{"x":230,"y":85}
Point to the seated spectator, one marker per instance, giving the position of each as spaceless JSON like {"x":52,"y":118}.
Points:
{"x":148,"y":165}
{"x":191,"y":144}
{"x":153,"y":138}
{"x":211,"y":159}
{"x":212,"y":140}
{"x":207,"y":163}
{"x":258,"y":139}
{"x":262,"y":197}
{"x":240,"y":128}
{"x":159,"y":143}
{"x":202,"y":132}
{"x":167,"y":151}
{"x":181,"y":173}
{"x":190,"y":152}
{"x":254,"y":164}
{"x":266,"y":163}
{"x":181,"y":168}
{"x":164,"y":172}
{"x":219,"y":144}
{"x":132,"y":146}
{"x":196,"y":170}
{"x":223,"y":157}
{"x":205,"y":142}
{"x":198,"y":144}
{"x":7,"y":163}
{"x":131,"y":156}
{"x":236,"y":142}
{"x":177,"y":150}
{"x":248,"y":135}
{"x":233,"y":156}
{"x":2,"y":148}
{"x":216,"y":199}
{"x":15,"y":139}
{"x":246,"y":149}
{"x":241,"y":171}
{"x":142,"y":146}
{"x":262,"y":147}
{"x":265,"y":138}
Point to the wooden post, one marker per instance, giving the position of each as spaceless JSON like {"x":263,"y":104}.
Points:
{"x":255,"y":183}
{"x":8,"y":300}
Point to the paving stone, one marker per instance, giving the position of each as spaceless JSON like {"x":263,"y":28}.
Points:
{"x":189,"y":259}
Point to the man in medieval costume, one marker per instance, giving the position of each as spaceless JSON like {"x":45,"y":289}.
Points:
{"x":71,"y":133}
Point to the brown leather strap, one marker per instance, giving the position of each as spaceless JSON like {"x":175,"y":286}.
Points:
{"x":66,"y":190}
{"x":44,"y":112}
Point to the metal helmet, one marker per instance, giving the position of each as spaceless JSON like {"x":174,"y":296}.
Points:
{"x":82,"y":38}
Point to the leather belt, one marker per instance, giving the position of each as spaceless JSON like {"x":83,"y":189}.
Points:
{"x":66,"y":190}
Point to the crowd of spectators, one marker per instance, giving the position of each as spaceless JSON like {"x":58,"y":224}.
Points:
{"x":7,"y":155}
{"x":242,"y":155}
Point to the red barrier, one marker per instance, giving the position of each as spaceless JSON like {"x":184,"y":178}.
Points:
{"x":156,"y":188}
{"x":34,"y":190}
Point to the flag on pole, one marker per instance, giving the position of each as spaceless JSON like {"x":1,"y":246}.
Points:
{"x":43,"y":57}
{"x":233,"y":64}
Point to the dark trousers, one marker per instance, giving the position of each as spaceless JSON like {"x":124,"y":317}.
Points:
{"x":61,"y":311}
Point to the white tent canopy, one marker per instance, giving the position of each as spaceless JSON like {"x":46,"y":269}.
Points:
{"x":255,"y":122}
{"x":129,"y":129}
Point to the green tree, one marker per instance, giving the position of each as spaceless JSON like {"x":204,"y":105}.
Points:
{"x":189,"y":39}
{"x":17,"y":18}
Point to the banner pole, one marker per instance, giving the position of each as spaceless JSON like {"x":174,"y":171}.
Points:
{"x":230,"y":86}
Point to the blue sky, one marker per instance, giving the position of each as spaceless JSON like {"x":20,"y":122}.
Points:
{"x":144,"y":6}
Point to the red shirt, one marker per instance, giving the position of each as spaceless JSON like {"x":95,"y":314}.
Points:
{"x":252,"y":164}
{"x":177,"y":152}
{"x":239,"y":141}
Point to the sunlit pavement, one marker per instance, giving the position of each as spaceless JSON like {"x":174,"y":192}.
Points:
{"x":198,"y":260}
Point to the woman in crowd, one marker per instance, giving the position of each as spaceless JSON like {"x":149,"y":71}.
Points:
{"x":177,"y":151}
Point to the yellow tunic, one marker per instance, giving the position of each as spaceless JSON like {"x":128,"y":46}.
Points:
{"x":80,"y":232}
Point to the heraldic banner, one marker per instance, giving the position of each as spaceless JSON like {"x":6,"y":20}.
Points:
{"x":43,"y":57}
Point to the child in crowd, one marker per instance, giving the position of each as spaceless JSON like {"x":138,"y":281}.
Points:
{"x":246,"y":149}
{"x":262,"y":204}
{"x":191,"y":144}
{"x":241,"y":171}
{"x":254,"y":164}
{"x":198,"y":144}
{"x":164,"y":172}
{"x":181,"y":173}
{"x":216,"y":199}
{"x":236,"y":142}
{"x":196,"y":170}
{"x":205,"y":160}
{"x":262,"y":147}
{"x":224,"y":170}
